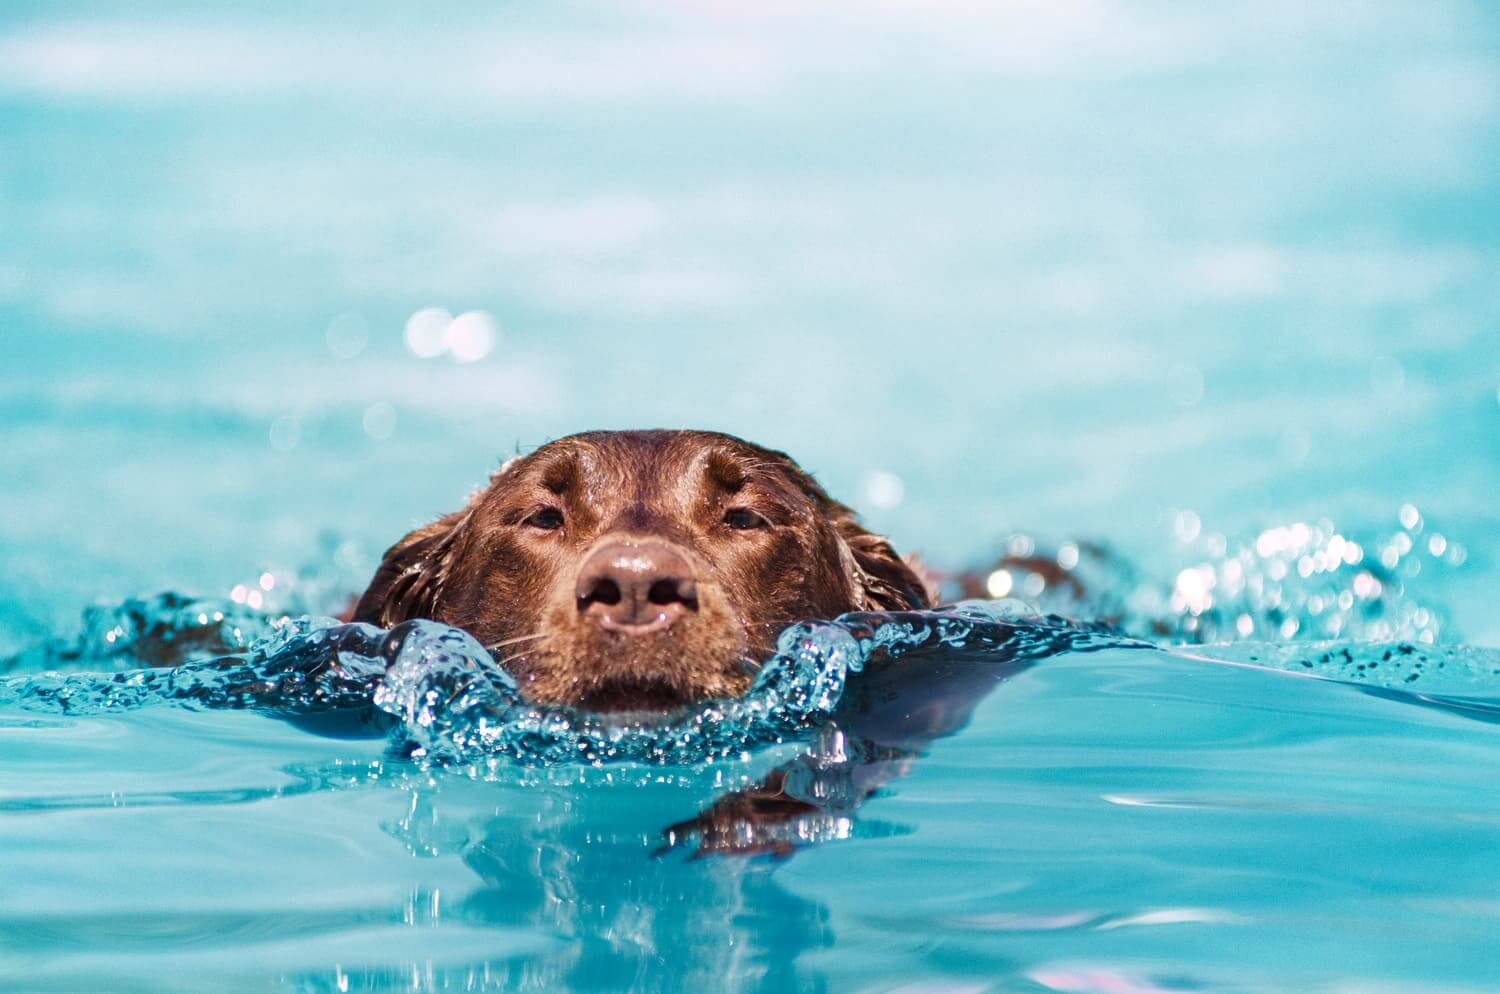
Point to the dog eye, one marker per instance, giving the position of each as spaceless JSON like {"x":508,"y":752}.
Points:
{"x":742,"y":519}
{"x":547,"y":519}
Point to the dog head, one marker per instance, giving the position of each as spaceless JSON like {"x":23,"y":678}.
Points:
{"x":633,"y":570}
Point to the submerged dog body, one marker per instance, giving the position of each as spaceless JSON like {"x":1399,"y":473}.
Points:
{"x":639,"y":569}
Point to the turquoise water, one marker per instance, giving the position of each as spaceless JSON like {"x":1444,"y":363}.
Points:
{"x":1214,"y":287}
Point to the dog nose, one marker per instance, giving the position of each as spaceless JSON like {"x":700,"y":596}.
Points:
{"x":636,"y":587}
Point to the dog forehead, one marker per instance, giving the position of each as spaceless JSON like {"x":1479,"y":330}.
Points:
{"x":616,"y":458}
{"x":654,"y":472}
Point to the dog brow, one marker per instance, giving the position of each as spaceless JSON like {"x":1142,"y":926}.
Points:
{"x":724,"y":468}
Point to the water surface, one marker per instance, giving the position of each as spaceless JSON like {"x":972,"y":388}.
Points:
{"x":1213,"y":288}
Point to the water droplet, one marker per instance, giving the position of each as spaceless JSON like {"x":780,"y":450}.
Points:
{"x":1067,"y":555}
{"x":884,"y":490}
{"x":471,"y":336}
{"x":425,"y":332}
{"x":999,"y":583}
{"x":1193,"y":586}
{"x":1411,"y":520}
{"x":1271,"y":541}
{"x":1186,"y":526}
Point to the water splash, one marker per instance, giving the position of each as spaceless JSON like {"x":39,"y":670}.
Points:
{"x":164,"y":627}
{"x":445,"y":699}
{"x":306,"y":665}
{"x":454,"y":706}
{"x":451,"y":702}
{"x":1295,"y":581}
{"x":1310,"y":580}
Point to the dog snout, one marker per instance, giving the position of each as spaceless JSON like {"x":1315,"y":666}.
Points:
{"x":636,"y":587}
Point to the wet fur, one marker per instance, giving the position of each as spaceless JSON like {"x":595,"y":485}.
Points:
{"x":511,"y":585}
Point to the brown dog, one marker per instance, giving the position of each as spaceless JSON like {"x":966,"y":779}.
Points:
{"x":639,"y":569}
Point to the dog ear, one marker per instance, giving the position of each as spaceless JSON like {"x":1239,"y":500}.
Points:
{"x":410,"y":578}
{"x":881,"y":580}
{"x":878,"y":578}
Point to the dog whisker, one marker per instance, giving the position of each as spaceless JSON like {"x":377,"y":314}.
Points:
{"x":507,"y":660}
{"x":518,"y":639}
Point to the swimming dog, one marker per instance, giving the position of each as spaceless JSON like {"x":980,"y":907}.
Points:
{"x":634,"y":570}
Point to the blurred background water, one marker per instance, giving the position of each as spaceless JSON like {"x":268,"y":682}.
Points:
{"x":279,"y":281}
{"x":1054,"y":266}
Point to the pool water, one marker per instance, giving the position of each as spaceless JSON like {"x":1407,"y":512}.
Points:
{"x":1115,"y":818}
{"x":1198,"y":304}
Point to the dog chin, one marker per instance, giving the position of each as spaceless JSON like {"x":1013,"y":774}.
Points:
{"x":631,"y":699}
